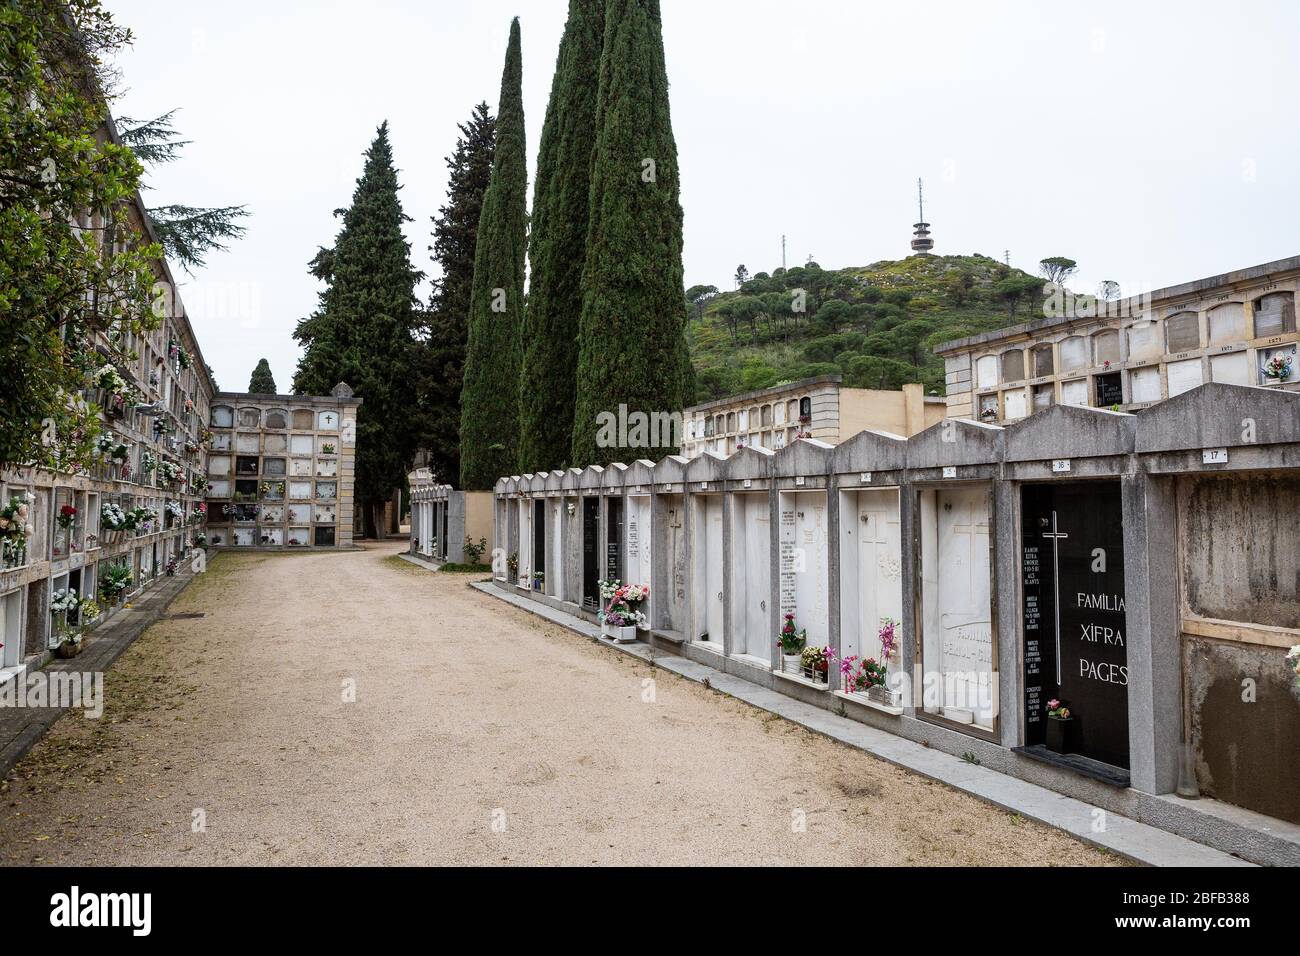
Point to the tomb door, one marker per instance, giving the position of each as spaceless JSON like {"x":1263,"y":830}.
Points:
{"x":638,"y":545}
{"x":963,"y":606}
{"x":525,"y":541}
{"x":614,"y":539}
{"x":706,"y":569}
{"x":590,"y":552}
{"x":751,"y":576}
{"x":880,"y":578}
{"x":1073,"y":615}
{"x":539,"y":536}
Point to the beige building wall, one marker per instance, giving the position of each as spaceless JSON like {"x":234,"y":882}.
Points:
{"x":818,"y":408}
{"x":478,"y":517}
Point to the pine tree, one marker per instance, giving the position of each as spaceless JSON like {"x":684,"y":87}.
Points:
{"x":489,"y":423}
{"x":632,"y":342}
{"x":361,"y":332}
{"x":439,"y":363}
{"x":188,"y":233}
{"x":558,"y":244}
{"x":262,"y":382}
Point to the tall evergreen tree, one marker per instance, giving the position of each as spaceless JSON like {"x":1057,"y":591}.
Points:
{"x":632,"y":343}
{"x":489,"y":422}
{"x":439,"y":363}
{"x":558,"y":244}
{"x":262,"y":382}
{"x":361,"y":332}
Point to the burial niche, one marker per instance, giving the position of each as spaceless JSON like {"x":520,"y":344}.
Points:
{"x":706,"y":569}
{"x":751,"y":577}
{"x":804,"y":554}
{"x":956,"y":610}
{"x":638,"y":543}
{"x":591,"y":553}
{"x":871,"y":572}
{"x":1072,"y":615}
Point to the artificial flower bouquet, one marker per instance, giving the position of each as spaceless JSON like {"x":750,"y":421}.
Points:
{"x":1278,"y":367}
{"x":623,"y":604}
{"x":791,"y":640}
{"x":816,"y":663}
{"x":15,"y":529}
{"x":114,"y":581}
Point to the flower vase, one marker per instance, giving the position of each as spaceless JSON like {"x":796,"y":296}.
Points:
{"x":1058,"y":734}
{"x":792,"y":663}
{"x":625,"y":635}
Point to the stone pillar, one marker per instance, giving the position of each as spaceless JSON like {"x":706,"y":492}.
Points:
{"x":728,"y":624}
{"x":1005,"y":532}
{"x":909,"y":535}
{"x":833,"y":575}
{"x":1153,"y":622}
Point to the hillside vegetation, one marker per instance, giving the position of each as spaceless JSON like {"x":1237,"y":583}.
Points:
{"x":875,"y":325}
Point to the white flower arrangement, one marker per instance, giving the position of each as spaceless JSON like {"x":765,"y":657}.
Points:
{"x":64,"y":600}
{"x":15,"y":529}
{"x":112,"y":517}
{"x":169,"y":471}
{"x":175,"y":510}
{"x":111,"y":380}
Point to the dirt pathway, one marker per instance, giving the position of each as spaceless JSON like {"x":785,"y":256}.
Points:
{"x":351,"y":708}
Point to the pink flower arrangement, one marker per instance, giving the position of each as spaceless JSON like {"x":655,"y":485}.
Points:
{"x":1056,"y":709}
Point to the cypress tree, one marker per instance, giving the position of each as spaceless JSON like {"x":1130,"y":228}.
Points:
{"x":489,"y":422}
{"x":361,"y":331}
{"x":262,"y":382}
{"x":632,"y":342}
{"x":558,"y":244}
{"x":440,"y":352}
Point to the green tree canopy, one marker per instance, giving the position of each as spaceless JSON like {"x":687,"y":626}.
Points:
{"x":558,"y":244}
{"x":74,"y":263}
{"x":361,"y":331}
{"x":188,"y":233}
{"x":632,"y":343}
{"x":489,"y":423}
{"x":439,"y":361}
{"x":262,"y":382}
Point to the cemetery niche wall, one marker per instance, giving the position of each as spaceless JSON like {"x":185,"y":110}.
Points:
{"x":290,"y":483}
{"x":1135,"y":567}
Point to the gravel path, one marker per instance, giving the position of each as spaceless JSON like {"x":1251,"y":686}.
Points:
{"x":477,"y":735}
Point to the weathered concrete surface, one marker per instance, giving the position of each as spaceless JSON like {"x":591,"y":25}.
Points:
{"x":1241,"y":559}
{"x":1245,"y":716}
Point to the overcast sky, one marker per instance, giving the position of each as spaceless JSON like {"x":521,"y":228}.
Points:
{"x":1153,"y":143}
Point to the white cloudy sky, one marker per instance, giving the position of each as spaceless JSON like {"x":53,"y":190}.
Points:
{"x":1153,"y":143}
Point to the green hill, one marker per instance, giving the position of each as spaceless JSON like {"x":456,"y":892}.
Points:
{"x":875,"y":325}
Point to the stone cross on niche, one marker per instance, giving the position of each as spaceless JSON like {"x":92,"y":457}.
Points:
{"x":1056,"y":537}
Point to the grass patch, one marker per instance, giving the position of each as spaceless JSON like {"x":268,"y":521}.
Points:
{"x":466,"y":568}
{"x":398,"y":563}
